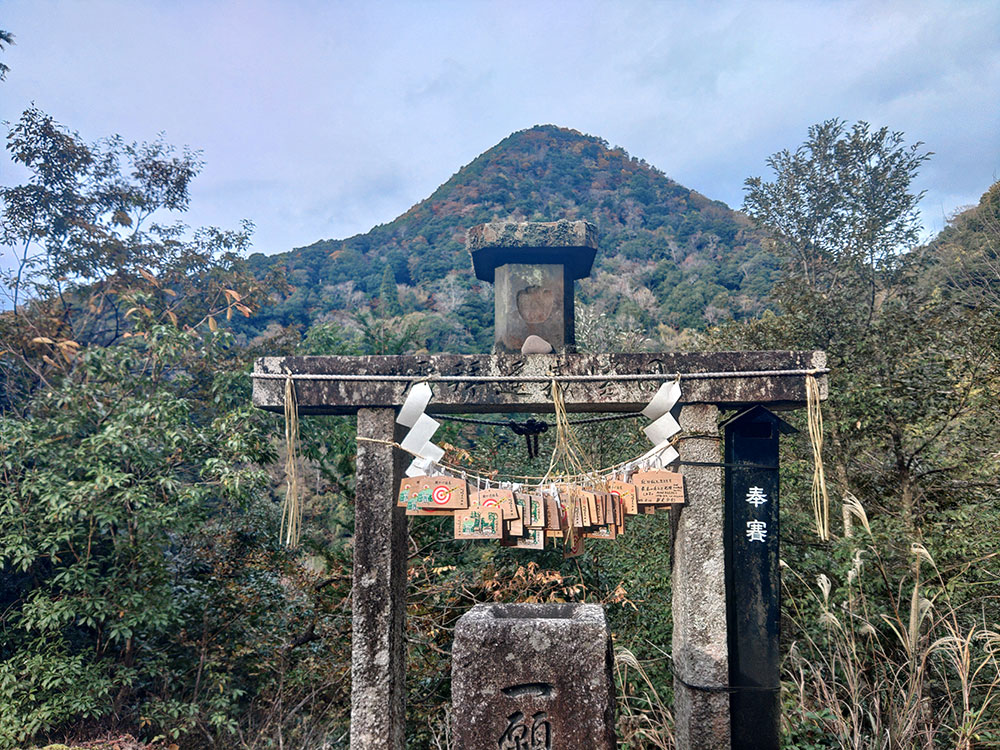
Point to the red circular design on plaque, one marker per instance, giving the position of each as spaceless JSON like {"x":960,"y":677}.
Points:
{"x":441,"y":494}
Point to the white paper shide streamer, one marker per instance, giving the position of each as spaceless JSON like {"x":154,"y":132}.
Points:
{"x":418,"y":467}
{"x":662,"y":429}
{"x":414,"y":405}
{"x":422,"y":429}
{"x":420,"y":434}
{"x":663,"y":401}
{"x":663,"y":426}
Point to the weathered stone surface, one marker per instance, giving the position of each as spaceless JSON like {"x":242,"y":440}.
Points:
{"x":536,"y":345}
{"x":378,"y":684}
{"x":538,"y":673}
{"x":532,"y":300}
{"x":347,"y":396}
{"x":572,"y":244}
{"x":698,"y":585}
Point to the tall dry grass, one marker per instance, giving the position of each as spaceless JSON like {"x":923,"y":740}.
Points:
{"x":906,"y":669}
{"x":644,"y":717}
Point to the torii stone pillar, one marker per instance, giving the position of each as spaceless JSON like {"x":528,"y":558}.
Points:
{"x":378,"y":597}
{"x":698,"y":587}
{"x":374,"y":388}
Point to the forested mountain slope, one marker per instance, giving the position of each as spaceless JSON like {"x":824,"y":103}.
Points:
{"x":669,"y":257}
{"x":968,"y":249}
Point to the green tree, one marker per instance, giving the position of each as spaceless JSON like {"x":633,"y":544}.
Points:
{"x":388,"y":295}
{"x":914,"y":373}
{"x":6,"y":38}
{"x":911,"y":366}
{"x":94,"y":252}
{"x":970,"y":251}
{"x":141,"y":583}
{"x":840,"y":210}
{"x":840,"y":214}
{"x":111,"y":476}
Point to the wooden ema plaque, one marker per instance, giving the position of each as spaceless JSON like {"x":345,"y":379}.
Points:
{"x":577,"y":549}
{"x":502,"y":499}
{"x":578,"y":512}
{"x":601,"y":532}
{"x":659,"y":487}
{"x":515,"y":526}
{"x":406,"y":487}
{"x":416,"y":492}
{"x":575,"y":505}
{"x":616,"y":512}
{"x":594,"y":515}
{"x":625,"y":491}
{"x":607,"y":508}
{"x":533,"y":539}
{"x":478,"y":523}
{"x":534,"y":517}
{"x":446,"y":493}
{"x":526,"y":519}
{"x":606,"y":517}
{"x":555,"y":517}
{"x":618,"y":509}
{"x":428,"y":496}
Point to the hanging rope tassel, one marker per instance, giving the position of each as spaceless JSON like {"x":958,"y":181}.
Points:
{"x":820,"y":500}
{"x":570,"y":455}
{"x":291,"y":509}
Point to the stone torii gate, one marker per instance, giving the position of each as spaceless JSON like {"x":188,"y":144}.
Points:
{"x":374,"y":387}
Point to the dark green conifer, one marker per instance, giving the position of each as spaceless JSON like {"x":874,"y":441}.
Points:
{"x":388,"y":295}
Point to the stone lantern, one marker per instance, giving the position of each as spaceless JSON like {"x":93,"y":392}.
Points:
{"x":533,"y":267}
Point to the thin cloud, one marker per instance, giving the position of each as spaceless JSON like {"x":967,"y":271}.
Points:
{"x":319,"y":120}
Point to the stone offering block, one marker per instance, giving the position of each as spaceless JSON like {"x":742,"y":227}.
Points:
{"x":532,"y":677}
{"x":532,"y":266}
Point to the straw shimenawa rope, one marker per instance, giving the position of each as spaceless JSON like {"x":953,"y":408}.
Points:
{"x":820,"y":500}
{"x":570,"y":455}
{"x":483,"y":475}
{"x":291,"y":510}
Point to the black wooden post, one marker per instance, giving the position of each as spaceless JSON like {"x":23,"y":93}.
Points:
{"x":753,"y":582}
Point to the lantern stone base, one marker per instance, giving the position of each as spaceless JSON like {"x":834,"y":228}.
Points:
{"x":532,"y":675}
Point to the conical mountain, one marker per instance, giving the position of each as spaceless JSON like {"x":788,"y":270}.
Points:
{"x":669,"y":257}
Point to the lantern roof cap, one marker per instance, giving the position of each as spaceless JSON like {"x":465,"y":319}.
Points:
{"x":571,"y":244}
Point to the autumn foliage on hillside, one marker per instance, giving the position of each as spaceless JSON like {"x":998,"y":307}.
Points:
{"x":670,"y":259}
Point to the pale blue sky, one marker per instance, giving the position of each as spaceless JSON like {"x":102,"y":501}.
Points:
{"x":319,"y":120}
